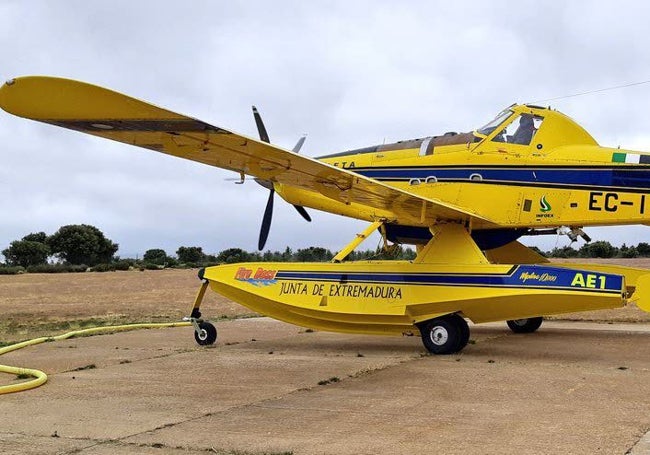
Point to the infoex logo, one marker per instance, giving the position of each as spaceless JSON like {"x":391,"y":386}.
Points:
{"x":544,"y":206}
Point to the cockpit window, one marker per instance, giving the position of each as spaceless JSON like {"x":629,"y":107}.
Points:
{"x":521,"y":130}
{"x":498,"y":120}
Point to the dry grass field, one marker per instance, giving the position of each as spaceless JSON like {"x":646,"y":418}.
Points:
{"x":45,"y":304}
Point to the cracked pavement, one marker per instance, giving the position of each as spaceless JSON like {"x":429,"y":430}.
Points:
{"x":572,"y":387}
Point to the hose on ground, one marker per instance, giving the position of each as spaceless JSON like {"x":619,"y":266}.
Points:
{"x":40,"y":378}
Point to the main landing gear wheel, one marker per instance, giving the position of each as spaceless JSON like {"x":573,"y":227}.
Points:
{"x":206,"y":335}
{"x":446,"y":335}
{"x":525,"y":325}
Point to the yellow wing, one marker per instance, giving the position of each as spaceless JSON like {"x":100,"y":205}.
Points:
{"x":105,"y":113}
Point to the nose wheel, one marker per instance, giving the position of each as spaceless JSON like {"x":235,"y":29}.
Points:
{"x":205,"y":333}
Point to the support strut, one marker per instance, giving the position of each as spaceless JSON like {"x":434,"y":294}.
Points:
{"x":195,"y":315}
{"x":349,"y":248}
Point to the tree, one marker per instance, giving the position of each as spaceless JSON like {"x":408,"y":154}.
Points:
{"x":40,"y":237}
{"x":563,"y":252}
{"x":287,"y":255}
{"x":156,"y":256}
{"x":599,"y":249}
{"x":627,"y":251}
{"x":272,"y":256}
{"x":643,"y":249}
{"x":232,"y":255}
{"x":313,"y":254}
{"x":26,"y":253}
{"x":82,"y":244}
{"x":190,"y":254}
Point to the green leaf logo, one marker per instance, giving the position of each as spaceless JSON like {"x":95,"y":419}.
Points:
{"x":544,"y":205}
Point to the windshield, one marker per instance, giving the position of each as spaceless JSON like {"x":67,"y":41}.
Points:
{"x":521,"y":130}
{"x":498,"y":120}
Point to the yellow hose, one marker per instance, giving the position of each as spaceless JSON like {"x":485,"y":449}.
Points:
{"x":40,"y":378}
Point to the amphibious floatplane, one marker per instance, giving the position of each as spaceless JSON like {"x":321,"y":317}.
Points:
{"x":463,"y":199}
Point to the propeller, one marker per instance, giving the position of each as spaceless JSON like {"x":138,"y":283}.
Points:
{"x":264,"y":136}
{"x":268,"y":211}
{"x":266,"y":221}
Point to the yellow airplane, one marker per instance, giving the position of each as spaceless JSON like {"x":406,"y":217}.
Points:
{"x":463,"y":199}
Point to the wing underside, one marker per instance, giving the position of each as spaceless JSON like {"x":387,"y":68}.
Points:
{"x":101,"y":112}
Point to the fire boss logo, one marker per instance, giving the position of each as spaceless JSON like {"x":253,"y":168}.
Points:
{"x":260,"y":277}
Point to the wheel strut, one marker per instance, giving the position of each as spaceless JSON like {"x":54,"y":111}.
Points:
{"x":205,"y":332}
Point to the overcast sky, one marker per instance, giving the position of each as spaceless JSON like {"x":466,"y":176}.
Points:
{"x":349,"y":74}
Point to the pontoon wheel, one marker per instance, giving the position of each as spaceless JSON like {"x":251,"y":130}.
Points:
{"x":525,"y":325}
{"x":445,"y":335}
{"x":464,"y":330}
{"x":206,"y":335}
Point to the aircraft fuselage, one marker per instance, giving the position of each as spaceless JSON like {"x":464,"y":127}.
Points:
{"x":561,"y":177}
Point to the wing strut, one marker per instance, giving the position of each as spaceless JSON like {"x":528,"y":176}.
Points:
{"x":349,"y":248}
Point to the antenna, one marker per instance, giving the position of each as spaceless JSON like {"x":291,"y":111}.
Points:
{"x":591,"y":91}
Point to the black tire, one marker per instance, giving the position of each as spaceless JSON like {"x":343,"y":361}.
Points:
{"x":464,"y":329}
{"x":446,"y":335}
{"x":207,"y":334}
{"x":528,"y":325}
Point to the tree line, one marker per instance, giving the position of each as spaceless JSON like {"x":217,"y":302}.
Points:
{"x":600,"y":249}
{"x":79,"y":247}
{"x":76,"y":248}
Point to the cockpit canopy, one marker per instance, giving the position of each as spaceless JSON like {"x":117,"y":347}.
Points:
{"x":524,"y":124}
{"x":493,"y":124}
{"x":525,"y":127}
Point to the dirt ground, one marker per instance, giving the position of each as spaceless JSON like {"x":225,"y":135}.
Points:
{"x":266,"y":387}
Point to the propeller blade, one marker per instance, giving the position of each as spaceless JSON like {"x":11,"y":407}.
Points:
{"x":300,"y":208}
{"x":303,"y":212}
{"x":298,"y":146}
{"x":264,"y":136}
{"x":268,"y":212}
{"x":266,"y":221}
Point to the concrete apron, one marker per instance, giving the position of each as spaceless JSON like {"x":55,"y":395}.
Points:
{"x":269,"y":387}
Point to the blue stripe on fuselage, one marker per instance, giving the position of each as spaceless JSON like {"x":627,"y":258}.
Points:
{"x":618,"y":177}
{"x":528,"y":276}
